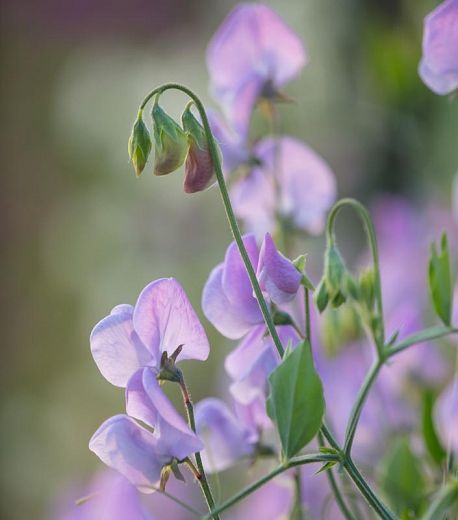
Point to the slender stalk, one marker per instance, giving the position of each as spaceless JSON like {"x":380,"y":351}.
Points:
{"x":308,"y":332}
{"x":295,"y":461}
{"x":201,"y":476}
{"x":372,"y":239}
{"x":421,"y":337}
{"x":213,"y":149}
{"x":297,"y":513}
{"x":359,"y":403}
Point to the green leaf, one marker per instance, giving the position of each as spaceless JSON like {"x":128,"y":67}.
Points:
{"x":432,"y":442}
{"x":296,"y":402}
{"x":403,"y":479}
{"x":326,"y":466}
{"x":440,"y":281}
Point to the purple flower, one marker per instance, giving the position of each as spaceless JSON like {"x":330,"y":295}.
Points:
{"x":226,"y":438}
{"x":439,"y":64}
{"x":228,"y":300}
{"x":292,"y":181}
{"x":139,"y":453}
{"x":446,"y":416}
{"x":131,"y":338}
{"x":112,"y":497}
{"x":252,"y":54}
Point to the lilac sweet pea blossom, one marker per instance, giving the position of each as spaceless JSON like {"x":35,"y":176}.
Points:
{"x":228,"y":301}
{"x":131,"y":338}
{"x":139,"y":453}
{"x":252,"y":54}
{"x":292,"y":181}
{"x":439,"y":64}
{"x":226,"y":438}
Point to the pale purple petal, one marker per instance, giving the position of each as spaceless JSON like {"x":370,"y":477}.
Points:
{"x":446,"y":416}
{"x":439,"y":64}
{"x":164,"y":319}
{"x":226,"y":440}
{"x":146,"y":401}
{"x":125,"y":446}
{"x":276,"y":274}
{"x":254,"y":417}
{"x":245,"y":353}
{"x":117,"y":350}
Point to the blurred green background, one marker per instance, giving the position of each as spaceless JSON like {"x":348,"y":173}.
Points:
{"x":81,"y":234}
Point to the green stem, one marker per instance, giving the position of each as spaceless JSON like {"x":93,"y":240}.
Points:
{"x":297,"y":513}
{"x":213,"y":149}
{"x":201,"y":477}
{"x":421,"y":337}
{"x":295,"y":461}
{"x":372,"y":239}
{"x":308,"y":329}
{"x":359,"y":403}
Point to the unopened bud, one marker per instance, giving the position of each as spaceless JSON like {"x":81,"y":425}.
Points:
{"x":139,"y":146}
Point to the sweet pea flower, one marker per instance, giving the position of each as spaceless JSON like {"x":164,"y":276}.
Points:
{"x":226,"y":438}
{"x":136,"y":452}
{"x":252,"y":54}
{"x":291,"y":181}
{"x":227,"y":299}
{"x":446,"y":416}
{"x":131,"y":338}
{"x":439,"y":64}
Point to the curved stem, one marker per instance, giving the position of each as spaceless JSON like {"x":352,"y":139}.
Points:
{"x":421,"y":337}
{"x":370,"y":233}
{"x":201,"y":476}
{"x":213,"y":149}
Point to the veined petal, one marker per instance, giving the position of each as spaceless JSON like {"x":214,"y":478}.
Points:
{"x":117,"y":350}
{"x":164,"y":319}
{"x":146,"y":401}
{"x":125,"y":446}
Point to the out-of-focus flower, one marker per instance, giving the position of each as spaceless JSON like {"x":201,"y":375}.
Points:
{"x":439,"y":64}
{"x":291,"y":182}
{"x":251,"y":55}
{"x":139,"y":453}
{"x":228,"y":301}
{"x":131,"y":338}
{"x":226,"y":438}
{"x":446,"y":416}
{"x":109,"y":497}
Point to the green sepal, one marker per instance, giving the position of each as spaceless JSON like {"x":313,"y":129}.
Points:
{"x":321,"y":296}
{"x":428,"y":429}
{"x":139,"y":145}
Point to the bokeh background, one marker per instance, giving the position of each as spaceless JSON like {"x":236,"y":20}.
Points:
{"x":81,"y":234}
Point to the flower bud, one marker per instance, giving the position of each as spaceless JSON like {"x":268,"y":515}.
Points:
{"x":199,"y":169}
{"x":139,"y":146}
{"x":440,"y":281}
{"x":170,"y":143}
{"x":334,"y":271}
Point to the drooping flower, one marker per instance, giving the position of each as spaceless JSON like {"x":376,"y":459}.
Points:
{"x":252,"y":54}
{"x":131,"y":338}
{"x":439,"y":64}
{"x":139,"y":453}
{"x":228,"y":300}
{"x":291,"y":182}
{"x":446,"y":416}
{"x":226,"y":438}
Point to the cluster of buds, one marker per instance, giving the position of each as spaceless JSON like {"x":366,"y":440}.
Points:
{"x":174,"y":145}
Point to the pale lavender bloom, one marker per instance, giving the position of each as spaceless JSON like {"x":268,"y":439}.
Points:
{"x":439,"y":64}
{"x":446,"y":416}
{"x":252,"y":54}
{"x":139,"y":453}
{"x":134,"y":337}
{"x":292,"y":181}
{"x":228,"y":301}
{"x":110,"y":497}
{"x":226,"y":438}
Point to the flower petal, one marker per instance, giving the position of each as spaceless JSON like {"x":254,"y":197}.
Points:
{"x":164,"y":319}
{"x":116,"y":348}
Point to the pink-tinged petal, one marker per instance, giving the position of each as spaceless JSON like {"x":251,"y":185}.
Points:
{"x":439,"y":64}
{"x":276,"y":273}
{"x":227,"y":318}
{"x":117,"y":350}
{"x":446,"y":416}
{"x":164,"y":319}
{"x":253,"y":199}
{"x":307,"y":184}
{"x":146,"y":401}
{"x":125,"y":446}
{"x":226,"y":440}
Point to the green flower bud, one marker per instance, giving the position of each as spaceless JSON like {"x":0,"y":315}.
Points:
{"x":199,"y":170}
{"x":321,"y":296}
{"x":170,"y":142}
{"x":139,"y":146}
{"x":334,"y":272}
{"x":440,"y":281}
{"x":367,"y":288}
